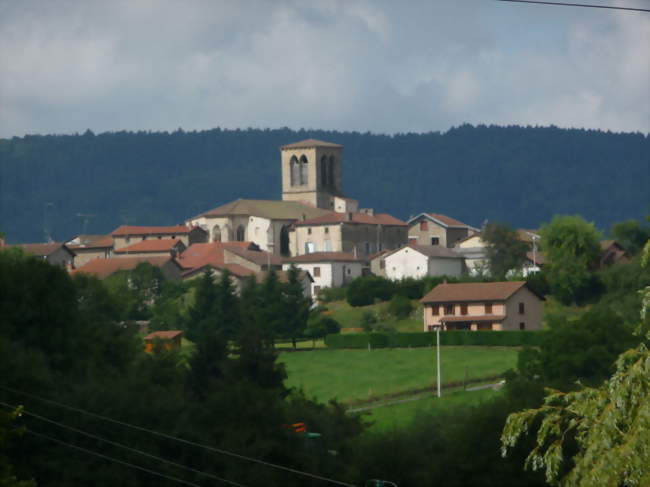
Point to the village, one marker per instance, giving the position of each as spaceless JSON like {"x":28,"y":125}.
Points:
{"x":331,"y":240}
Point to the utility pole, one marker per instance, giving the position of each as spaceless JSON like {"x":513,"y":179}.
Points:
{"x":438,"y":357}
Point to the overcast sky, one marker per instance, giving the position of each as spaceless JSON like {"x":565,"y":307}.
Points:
{"x":379,"y":66}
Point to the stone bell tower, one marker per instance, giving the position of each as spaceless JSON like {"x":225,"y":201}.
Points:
{"x":311,"y":172}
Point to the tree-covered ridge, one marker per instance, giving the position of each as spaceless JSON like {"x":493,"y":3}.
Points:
{"x":521,"y":175}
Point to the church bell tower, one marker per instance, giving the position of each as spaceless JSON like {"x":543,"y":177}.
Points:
{"x":311,"y":172}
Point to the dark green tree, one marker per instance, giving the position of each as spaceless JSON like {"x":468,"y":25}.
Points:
{"x":571,"y":246}
{"x":505,"y":250}
{"x":296,"y":307}
{"x":631,"y":234}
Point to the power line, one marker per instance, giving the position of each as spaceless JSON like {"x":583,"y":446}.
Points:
{"x":111,"y":459}
{"x":181,"y":440}
{"x":126,"y":447}
{"x":577,"y":5}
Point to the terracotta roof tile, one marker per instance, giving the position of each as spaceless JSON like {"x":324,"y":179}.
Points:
{"x":139,"y":230}
{"x":163,"y":335}
{"x":324,"y":257}
{"x":455,"y":319}
{"x":352,"y":218}
{"x":153,"y":245}
{"x":451,"y":222}
{"x":103,"y":268}
{"x":42,"y":249}
{"x":270,"y":209}
{"x":200,"y":254}
{"x":307,"y":143}
{"x":91,"y":241}
{"x":258,"y":257}
{"x":473,"y":291}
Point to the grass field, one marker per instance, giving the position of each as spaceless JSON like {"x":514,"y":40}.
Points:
{"x":398,"y":416}
{"x":350,"y":317}
{"x":355,"y":376}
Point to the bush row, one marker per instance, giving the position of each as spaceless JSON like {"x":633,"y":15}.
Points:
{"x":421,"y":339}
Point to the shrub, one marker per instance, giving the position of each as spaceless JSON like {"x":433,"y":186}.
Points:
{"x":364,"y":290}
{"x":400,"y":306}
{"x":422,"y":339}
{"x":329,"y":294}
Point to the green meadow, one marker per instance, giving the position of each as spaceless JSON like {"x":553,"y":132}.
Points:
{"x":358,"y":376}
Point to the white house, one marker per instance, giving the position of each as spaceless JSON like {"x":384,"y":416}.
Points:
{"x":422,"y":260}
{"x":328,"y":269}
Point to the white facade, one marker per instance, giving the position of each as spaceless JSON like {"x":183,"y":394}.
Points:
{"x":409,"y":262}
{"x":328,"y":274}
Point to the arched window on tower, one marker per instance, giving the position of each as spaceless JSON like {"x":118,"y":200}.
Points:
{"x":240,"y":233}
{"x":284,"y":240}
{"x":330,"y":173}
{"x":294,"y":170}
{"x":323,"y":172}
{"x":304,"y":174}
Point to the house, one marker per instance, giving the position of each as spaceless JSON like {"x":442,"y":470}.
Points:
{"x":170,"y":340}
{"x":89,"y":247}
{"x":328,"y":269}
{"x":128,"y":235}
{"x":437,"y":229}
{"x":363,"y":233}
{"x":54,"y":253}
{"x":472,"y":248}
{"x":510,"y":305}
{"x":152,"y":248}
{"x":103,"y":268}
{"x":418,"y":261}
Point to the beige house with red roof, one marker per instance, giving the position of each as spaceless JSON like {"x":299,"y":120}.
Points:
{"x":128,"y":235}
{"x":89,"y":247}
{"x":327,"y":269}
{"x":163,"y":247}
{"x":437,"y":229}
{"x":360,"y":233}
{"x":510,"y":305}
{"x":54,"y":252}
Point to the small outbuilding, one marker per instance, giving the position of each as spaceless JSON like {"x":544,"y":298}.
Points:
{"x":170,"y":340}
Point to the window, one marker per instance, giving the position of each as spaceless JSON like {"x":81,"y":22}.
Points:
{"x":449,"y":309}
{"x":327,"y":229}
{"x":316,"y":271}
{"x":349,"y":271}
{"x":294,"y":168}
{"x":240,"y":234}
{"x":435,"y":241}
{"x":127,"y":239}
{"x":309,"y":247}
{"x":424,"y":225}
{"x":316,"y":289}
{"x":304,"y":171}
{"x":159,"y":237}
{"x":463,"y":309}
{"x":144,"y":237}
{"x":367,"y":248}
{"x":435,"y":310}
{"x":309,"y":231}
{"x":382,"y":264}
{"x":522,"y":309}
{"x":522,"y":326}
{"x":488,"y":308}
{"x":323,"y":172}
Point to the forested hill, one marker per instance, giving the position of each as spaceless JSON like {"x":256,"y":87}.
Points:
{"x":520,"y":175}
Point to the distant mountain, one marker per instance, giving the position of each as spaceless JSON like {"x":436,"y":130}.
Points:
{"x":70,"y":184}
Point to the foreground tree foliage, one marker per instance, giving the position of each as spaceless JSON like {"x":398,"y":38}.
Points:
{"x":505,"y":251}
{"x":571,"y":246}
{"x":609,"y":426}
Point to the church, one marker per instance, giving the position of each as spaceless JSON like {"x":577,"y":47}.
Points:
{"x":313,"y":215}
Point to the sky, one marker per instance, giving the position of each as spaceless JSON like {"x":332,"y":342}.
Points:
{"x":349,"y":65}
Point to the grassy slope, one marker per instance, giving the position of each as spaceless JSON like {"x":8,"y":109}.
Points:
{"x":350,"y":317}
{"x":397,"y":416}
{"x":358,"y":375}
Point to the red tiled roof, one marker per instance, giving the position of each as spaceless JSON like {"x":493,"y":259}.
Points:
{"x":103,"y":268}
{"x":451,"y":222}
{"x":235,"y":269}
{"x":283,"y":276}
{"x":92,"y":241}
{"x":258,"y":257}
{"x":540,"y":259}
{"x":304,"y":144}
{"x":153,"y":245}
{"x":470,"y":318}
{"x":137,"y":230}
{"x":163,"y":335}
{"x":200,"y":254}
{"x":358,"y":218}
{"x":473,"y":291}
{"x":324,"y":257}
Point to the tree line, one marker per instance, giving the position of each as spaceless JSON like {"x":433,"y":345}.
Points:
{"x":92,"y":183}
